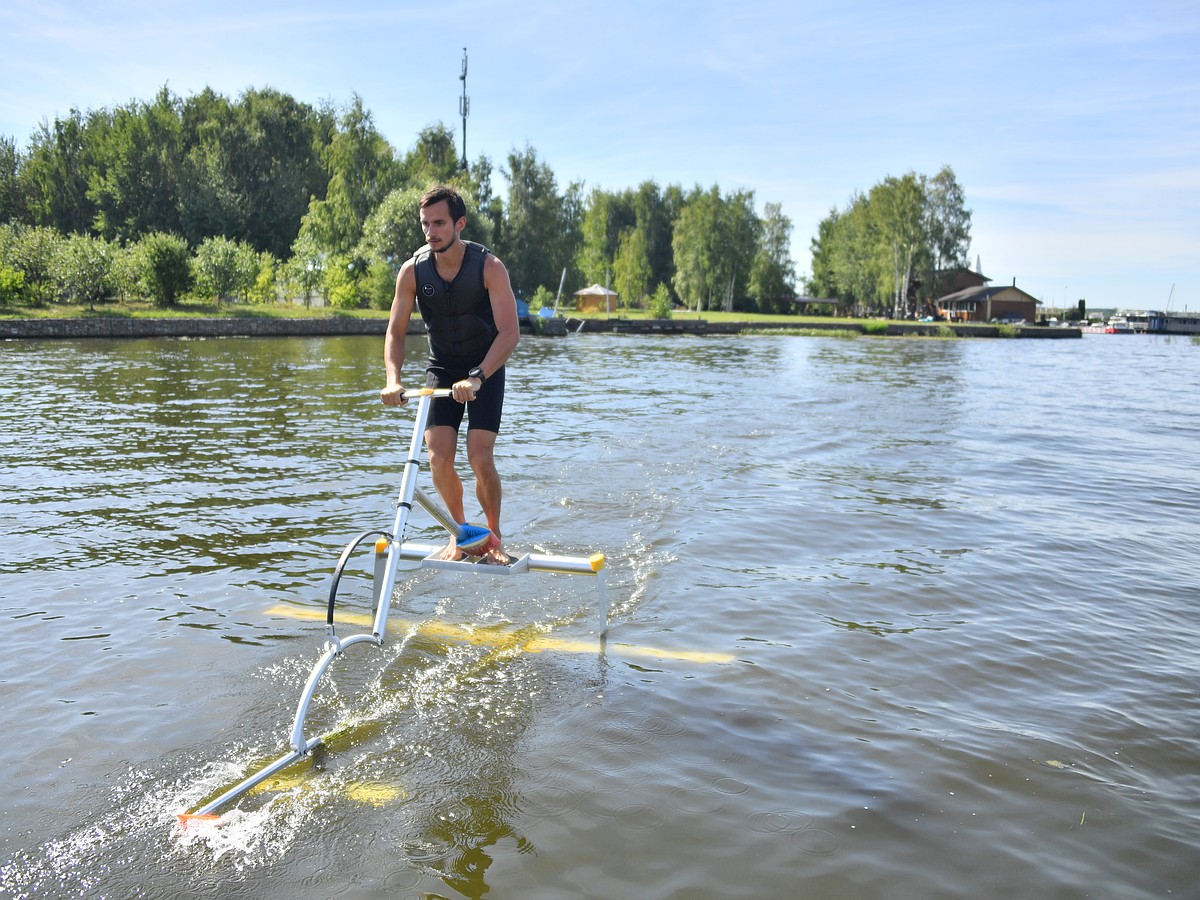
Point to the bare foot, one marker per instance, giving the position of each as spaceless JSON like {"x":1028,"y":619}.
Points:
{"x":450,"y":551}
{"x":496,"y":557}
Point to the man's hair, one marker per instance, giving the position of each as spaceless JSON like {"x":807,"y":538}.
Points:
{"x":458,"y":206}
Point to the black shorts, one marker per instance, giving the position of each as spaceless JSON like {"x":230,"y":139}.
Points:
{"x":482,"y":412}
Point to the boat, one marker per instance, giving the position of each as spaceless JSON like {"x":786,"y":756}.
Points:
{"x":1119,"y":324}
{"x":1183,"y":323}
{"x":1152,"y":321}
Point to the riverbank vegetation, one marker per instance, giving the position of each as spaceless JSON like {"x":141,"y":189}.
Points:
{"x":888,"y":251}
{"x":267,"y":200}
{"x":748,"y":322}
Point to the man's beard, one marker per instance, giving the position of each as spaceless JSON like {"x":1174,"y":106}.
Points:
{"x":447,"y":246}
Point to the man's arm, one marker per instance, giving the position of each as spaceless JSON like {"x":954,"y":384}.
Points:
{"x":397,"y":330}
{"x":504,"y":313}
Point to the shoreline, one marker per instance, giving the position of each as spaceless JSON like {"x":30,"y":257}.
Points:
{"x":238,"y":326}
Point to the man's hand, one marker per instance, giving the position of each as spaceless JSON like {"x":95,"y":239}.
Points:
{"x":466,"y":389}
{"x":393,"y":395}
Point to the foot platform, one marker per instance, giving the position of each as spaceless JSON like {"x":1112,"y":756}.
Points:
{"x":518,"y":566}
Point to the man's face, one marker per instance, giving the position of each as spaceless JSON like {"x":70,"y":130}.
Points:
{"x":441,"y":232}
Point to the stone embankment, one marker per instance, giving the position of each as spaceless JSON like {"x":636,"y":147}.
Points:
{"x":897,"y":329}
{"x":252,"y":326}
{"x":230,"y":326}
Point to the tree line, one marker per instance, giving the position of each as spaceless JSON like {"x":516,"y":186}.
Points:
{"x":888,"y":251}
{"x":265,"y":197}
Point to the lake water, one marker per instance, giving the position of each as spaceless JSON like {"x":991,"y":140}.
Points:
{"x":889,"y":619}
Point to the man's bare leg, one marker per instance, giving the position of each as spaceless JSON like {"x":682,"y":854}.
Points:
{"x":442,"y":441}
{"x":481,"y":454}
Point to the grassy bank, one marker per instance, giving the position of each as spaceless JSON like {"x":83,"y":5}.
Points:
{"x":186,"y":310}
{"x":706,"y":316}
{"x":201,"y":310}
{"x":775,"y":324}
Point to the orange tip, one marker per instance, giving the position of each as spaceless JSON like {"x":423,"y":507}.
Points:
{"x":186,"y":819}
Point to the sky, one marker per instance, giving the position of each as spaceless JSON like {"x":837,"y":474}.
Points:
{"x":1073,"y":126}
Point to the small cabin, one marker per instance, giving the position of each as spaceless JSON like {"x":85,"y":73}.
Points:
{"x":982,"y":303}
{"x":595,"y":298}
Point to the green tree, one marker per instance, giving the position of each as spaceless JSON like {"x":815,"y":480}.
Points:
{"x":772,"y":274}
{"x":135,"y":180}
{"x":379,"y":284}
{"x":266,"y":277}
{"x":55,"y":173}
{"x":844,"y":261}
{"x":433,"y":158}
{"x":392,"y":233}
{"x":250,"y":167}
{"x":84,"y":270}
{"x":897,"y":207}
{"x":606,"y":216}
{"x":714,"y":244}
{"x":885,"y":249}
{"x":542,"y":298}
{"x":485,"y":211}
{"x":823,"y":281}
{"x":660,"y":303}
{"x":343,"y":283}
{"x":225,"y":269}
{"x":12,"y":201}
{"x":32,"y":251}
{"x":304,"y":271}
{"x":12,"y":286}
{"x":855,"y":258}
{"x":362,"y":172}
{"x":694,"y":245}
{"x":275,"y":166}
{"x":947,"y":228}
{"x":208,"y":194}
{"x":163,"y":266}
{"x":631,"y":268}
{"x":541,"y":228}
{"x":654,"y":212}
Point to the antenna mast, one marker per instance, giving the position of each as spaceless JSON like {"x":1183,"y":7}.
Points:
{"x":464,"y":107}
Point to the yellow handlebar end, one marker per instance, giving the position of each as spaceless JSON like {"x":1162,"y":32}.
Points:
{"x":381,"y":546}
{"x":596,"y":561}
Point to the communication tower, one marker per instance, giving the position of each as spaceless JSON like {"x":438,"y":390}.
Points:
{"x":464,"y":107}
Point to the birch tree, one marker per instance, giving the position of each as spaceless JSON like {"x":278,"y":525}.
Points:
{"x":631,"y":268}
{"x":772,"y":276}
{"x":947,"y":227}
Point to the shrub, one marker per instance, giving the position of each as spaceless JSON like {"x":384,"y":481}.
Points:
{"x":541,"y":298}
{"x":344,"y":282}
{"x":12,"y":286}
{"x":660,"y":303}
{"x":85,"y":270}
{"x":225,"y":269}
{"x":163,"y":266}
{"x":32,"y":250}
{"x":265,"y":289}
{"x":380,"y":284}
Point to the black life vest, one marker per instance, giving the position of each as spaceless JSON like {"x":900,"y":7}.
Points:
{"x":457,"y":314}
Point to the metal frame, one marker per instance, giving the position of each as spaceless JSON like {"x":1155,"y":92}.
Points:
{"x":390,"y":550}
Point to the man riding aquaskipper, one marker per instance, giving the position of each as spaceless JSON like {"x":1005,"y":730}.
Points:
{"x":466,"y":300}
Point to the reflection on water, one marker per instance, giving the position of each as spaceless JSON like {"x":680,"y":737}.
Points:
{"x":925,"y":621}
